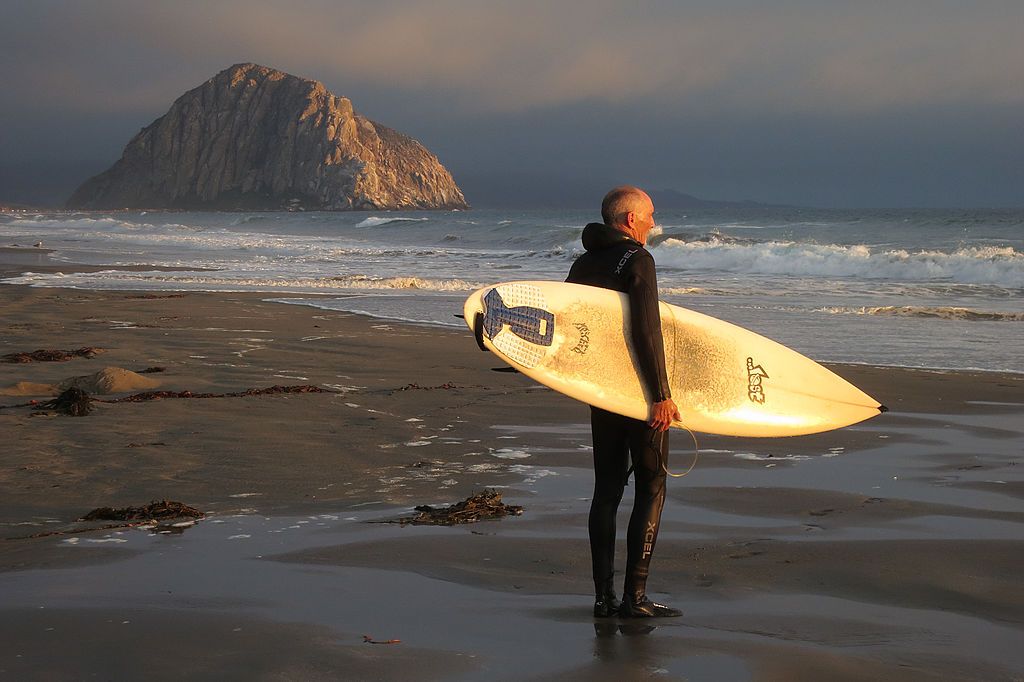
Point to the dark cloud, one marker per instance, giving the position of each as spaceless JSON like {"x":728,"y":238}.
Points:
{"x":817,"y":102}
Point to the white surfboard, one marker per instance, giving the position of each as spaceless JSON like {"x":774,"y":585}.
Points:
{"x":724,"y":379}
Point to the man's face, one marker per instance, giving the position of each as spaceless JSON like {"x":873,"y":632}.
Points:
{"x":644,"y":220}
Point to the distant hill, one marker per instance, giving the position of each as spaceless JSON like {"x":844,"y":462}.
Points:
{"x":518,"y":190}
{"x":670,"y":198}
{"x":253,"y":137}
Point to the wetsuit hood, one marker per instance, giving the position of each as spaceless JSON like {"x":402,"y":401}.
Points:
{"x":598,"y":236}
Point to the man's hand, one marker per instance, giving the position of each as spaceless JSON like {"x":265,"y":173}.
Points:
{"x":664,"y":414}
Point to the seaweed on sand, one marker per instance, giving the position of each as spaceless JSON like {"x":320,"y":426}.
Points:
{"x":478,"y":507}
{"x":157,"y":510}
{"x":73,"y":401}
{"x":47,"y":355}
{"x":162,"y":395}
{"x":158,"y":516}
{"x":79,"y":402}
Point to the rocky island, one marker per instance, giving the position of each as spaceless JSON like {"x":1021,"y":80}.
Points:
{"x":255,"y":138}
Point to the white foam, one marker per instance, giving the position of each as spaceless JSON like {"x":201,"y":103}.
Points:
{"x":683,"y":291}
{"x":375,"y":221}
{"x":996,"y":265}
{"x":934,"y":312}
{"x":80,"y":222}
{"x":176,"y":281}
{"x":371,"y":282}
{"x":508,"y":453}
{"x":774,"y":458}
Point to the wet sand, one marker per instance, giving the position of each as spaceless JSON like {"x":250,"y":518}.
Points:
{"x":888,"y":550}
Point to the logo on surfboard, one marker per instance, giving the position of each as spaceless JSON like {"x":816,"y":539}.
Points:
{"x":584,"y":343}
{"x":755,"y":377}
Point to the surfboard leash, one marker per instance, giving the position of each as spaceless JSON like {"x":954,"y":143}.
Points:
{"x":696,"y":454}
{"x":664,"y":465}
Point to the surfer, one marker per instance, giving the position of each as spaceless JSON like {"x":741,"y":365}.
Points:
{"x":616,"y":259}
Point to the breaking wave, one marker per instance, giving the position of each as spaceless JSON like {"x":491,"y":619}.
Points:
{"x":684,"y":291}
{"x":935,"y":312}
{"x":80,"y":222}
{"x":170,"y":281}
{"x":996,"y":265}
{"x":370,"y":282}
{"x":374,"y":221}
{"x":254,"y":219}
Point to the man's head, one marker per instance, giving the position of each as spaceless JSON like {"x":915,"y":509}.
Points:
{"x":630,"y":210}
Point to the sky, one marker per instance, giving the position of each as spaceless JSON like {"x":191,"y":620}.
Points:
{"x":831,"y":103}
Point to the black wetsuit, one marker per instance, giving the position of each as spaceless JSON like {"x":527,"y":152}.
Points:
{"x":614,"y":261}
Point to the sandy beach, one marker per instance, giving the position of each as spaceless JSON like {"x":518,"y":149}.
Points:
{"x":888,"y":550}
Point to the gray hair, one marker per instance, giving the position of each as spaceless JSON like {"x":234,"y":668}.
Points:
{"x":619,"y":202}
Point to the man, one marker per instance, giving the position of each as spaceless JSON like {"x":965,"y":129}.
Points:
{"x":616,"y":259}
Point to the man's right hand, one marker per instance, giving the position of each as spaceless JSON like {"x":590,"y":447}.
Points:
{"x":663,"y":414}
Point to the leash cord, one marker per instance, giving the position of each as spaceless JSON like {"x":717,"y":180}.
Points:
{"x":660,"y":435}
{"x":696,"y":454}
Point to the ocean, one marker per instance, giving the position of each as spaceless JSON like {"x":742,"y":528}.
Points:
{"x":941,"y":289}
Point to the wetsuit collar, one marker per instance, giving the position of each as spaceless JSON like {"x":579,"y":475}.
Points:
{"x":598,"y":236}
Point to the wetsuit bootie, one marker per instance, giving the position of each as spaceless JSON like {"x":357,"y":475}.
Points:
{"x":606,"y":605}
{"x":642,"y":607}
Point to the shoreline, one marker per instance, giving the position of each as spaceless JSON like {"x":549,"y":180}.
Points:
{"x":887,"y":549}
{"x":270,"y":298}
{"x":835,"y":324}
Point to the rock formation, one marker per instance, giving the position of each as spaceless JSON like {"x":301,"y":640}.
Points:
{"x":255,"y":138}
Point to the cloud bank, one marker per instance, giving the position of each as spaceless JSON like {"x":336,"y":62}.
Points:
{"x":741,"y":69}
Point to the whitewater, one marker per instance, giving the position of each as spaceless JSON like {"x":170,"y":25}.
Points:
{"x":920,"y":288}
